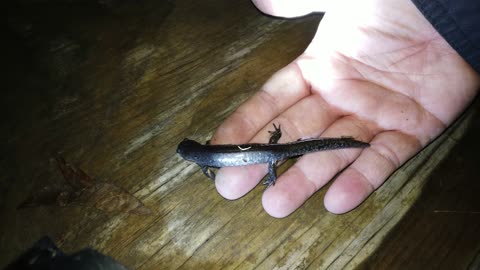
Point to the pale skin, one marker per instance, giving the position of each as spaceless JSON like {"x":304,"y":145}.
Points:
{"x":377,"y":71}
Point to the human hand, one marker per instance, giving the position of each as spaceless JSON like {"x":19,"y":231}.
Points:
{"x":376,"y":70}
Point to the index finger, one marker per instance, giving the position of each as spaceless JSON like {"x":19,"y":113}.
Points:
{"x":286,"y":87}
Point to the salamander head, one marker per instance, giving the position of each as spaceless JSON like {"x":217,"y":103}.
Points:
{"x":187,"y":147}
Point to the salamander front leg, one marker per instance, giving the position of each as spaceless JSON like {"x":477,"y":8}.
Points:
{"x":272,"y":174}
{"x":208,"y":172}
{"x":275,"y":135}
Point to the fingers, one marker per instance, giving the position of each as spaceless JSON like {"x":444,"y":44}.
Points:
{"x":235,"y":182}
{"x":281,"y":91}
{"x":249,"y":124}
{"x":289,"y":8}
{"x":388,"y":151}
{"x":312,"y":171}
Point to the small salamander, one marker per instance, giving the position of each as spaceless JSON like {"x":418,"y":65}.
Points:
{"x":226,"y":155}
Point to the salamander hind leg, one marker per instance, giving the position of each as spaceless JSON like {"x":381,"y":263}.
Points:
{"x":275,"y":135}
{"x":272,"y":174}
{"x":208,"y":172}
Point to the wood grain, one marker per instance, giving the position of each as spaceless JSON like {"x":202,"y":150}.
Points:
{"x":441,"y":230}
{"x":114,"y":86}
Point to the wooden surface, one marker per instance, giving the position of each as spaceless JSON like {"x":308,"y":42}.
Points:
{"x":112,"y":87}
{"x":441,"y":230}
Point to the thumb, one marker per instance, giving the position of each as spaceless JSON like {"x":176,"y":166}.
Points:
{"x":290,"y":8}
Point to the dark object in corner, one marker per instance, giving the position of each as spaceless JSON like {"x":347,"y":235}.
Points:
{"x":44,"y":255}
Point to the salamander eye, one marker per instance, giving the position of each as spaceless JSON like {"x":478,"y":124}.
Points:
{"x":183,"y":146}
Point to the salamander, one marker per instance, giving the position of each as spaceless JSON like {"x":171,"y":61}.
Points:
{"x":227,"y":155}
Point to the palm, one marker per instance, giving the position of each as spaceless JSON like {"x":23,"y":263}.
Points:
{"x":395,"y":48}
{"x":384,"y":76}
